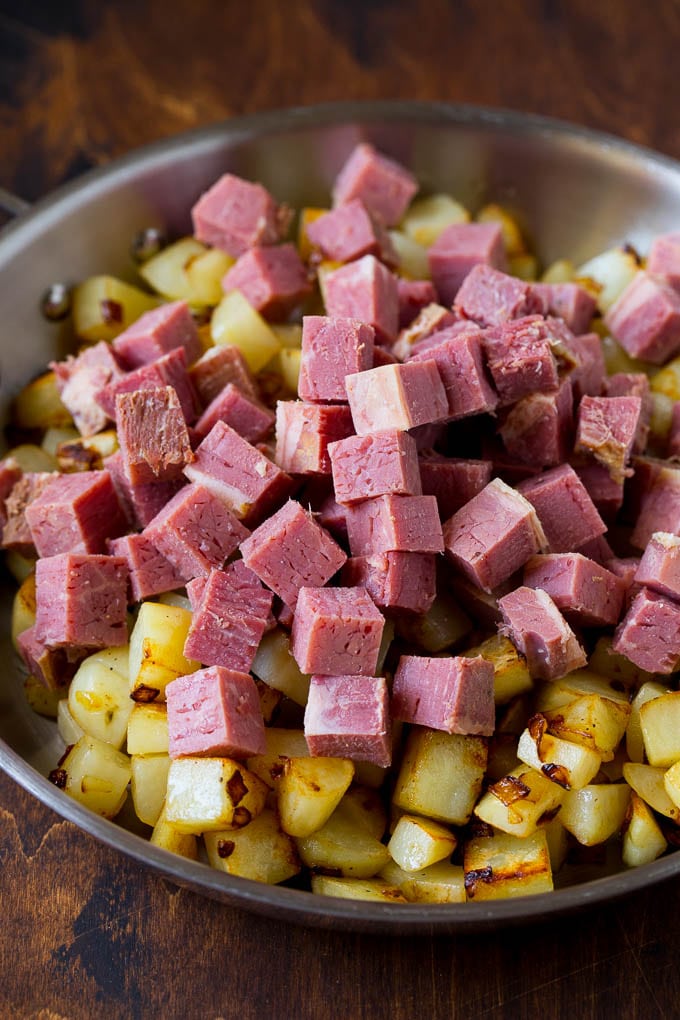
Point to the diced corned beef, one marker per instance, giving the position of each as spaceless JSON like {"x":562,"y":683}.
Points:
{"x":419,"y":335}
{"x":218,"y":367}
{"x":646,"y":472}
{"x":649,"y":634}
{"x":140,"y":503}
{"x":239,"y":474}
{"x":244,"y":413}
{"x":645,"y":319}
{"x":606,"y":428}
{"x":195,"y":588}
{"x":54,"y":667}
{"x":503,"y":464}
{"x":664,"y":258}
{"x":490,"y":297}
{"x":458,"y":249}
{"x":235,"y":215}
{"x":331,"y":516}
{"x":427,"y":437}
{"x":605,"y":492}
{"x":304,"y":433}
{"x":394,"y":524}
{"x":493,"y":535}
{"x":348,"y":717}
{"x":75,"y":513}
{"x":659,"y":506}
{"x":215,"y":712}
{"x":453,"y":693}
{"x":452,"y":481}
{"x":157,"y":333}
{"x":634,"y":384}
{"x":10,"y":473}
{"x":659,"y":568}
{"x":414,"y":296}
{"x":625,"y":568}
{"x":229,"y":618}
{"x":482,"y":606}
{"x":398,"y":396}
{"x":332,"y":348}
{"x":375,"y":465}
{"x":170,"y":370}
{"x":153,"y":436}
{"x":598,"y":549}
{"x":567,"y":514}
{"x":401,"y":581}
{"x":588,"y":375}
{"x":336,"y":632}
{"x":589,"y":595}
{"x":568,"y":301}
{"x":674,"y":432}
{"x":538,"y":429}
{"x":349,"y":231}
{"x":81,"y":599}
{"x":383,"y":185}
{"x":80,"y":379}
{"x":273,"y":279}
{"x":196,"y":531}
{"x":150,"y":573}
{"x":461,"y":366}
{"x":365,"y":290}
{"x":383,"y":356}
{"x":520,"y":358}
{"x":538,"y":630}
{"x":290,"y":551}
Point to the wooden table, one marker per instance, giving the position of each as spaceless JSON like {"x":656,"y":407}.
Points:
{"x":85,"y":932}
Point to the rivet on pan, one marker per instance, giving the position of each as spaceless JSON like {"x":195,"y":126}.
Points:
{"x":147,"y":243}
{"x":56,"y":302}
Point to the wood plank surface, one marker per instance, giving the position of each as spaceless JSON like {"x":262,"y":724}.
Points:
{"x":86,"y":932}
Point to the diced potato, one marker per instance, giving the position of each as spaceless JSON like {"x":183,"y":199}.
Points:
{"x":275,"y":665}
{"x":667,"y":380}
{"x":662,"y":416}
{"x":524,"y":266}
{"x":427,"y":217}
{"x":281,"y":745}
{"x":612,"y":771}
{"x":418,"y":842}
{"x":568,"y":688}
{"x":560,"y":271}
{"x":55,"y":436}
{"x":166,"y":836}
{"x":648,"y":782}
{"x":440,"y":883}
{"x":43,"y":700}
{"x":289,"y":334}
{"x":643,"y":840}
{"x":343,"y":847}
{"x":503,"y":866}
{"x":69,"y":730}
{"x":86,"y":454}
{"x":173,"y":598}
{"x":187,"y":270}
{"x":19,"y":566}
{"x":595,"y":722}
{"x":616,"y":358}
{"x":671,"y":782}
{"x":288,"y":362}
{"x":235,"y":322}
{"x":520,"y":802}
{"x":30,"y":457}
{"x":103,"y":307}
{"x":413,"y":260}
{"x":147,"y":731}
{"x":149,"y":785}
{"x":595,"y":813}
{"x":99,"y":695}
{"x":309,"y":791}
{"x":608,"y":663}
{"x":208,"y":794}
{"x":370,"y":775}
{"x":307,"y":215}
{"x":609,"y":274}
{"x":635,"y":745}
{"x":157,"y":650}
{"x":512,"y":234}
{"x":558,"y":843}
{"x":511,"y":675}
{"x":441,"y":626}
{"x":260,"y":851}
{"x":96,"y":774}
{"x":660,"y":723}
{"x":563,"y":762}
{"x":363,"y":806}
{"x":23,"y":608}
{"x":270,"y":701}
{"x":441,"y":775}
{"x":39,"y":406}
{"x":356,"y":889}
{"x":204,"y":275}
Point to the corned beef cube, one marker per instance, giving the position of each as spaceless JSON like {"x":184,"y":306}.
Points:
{"x":229,"y":618}
{"x":419,"y":334}
{"x":153,"y":436}
{"x":196,"y":531}
{"x":649,"y":634}
{"x":80,"y":379}
{"x":428,"y":436}
{"x":482,"y":606}
{"x":348,"y":717}
{"x":81,"y":600}
{"x":399,"y":396}
{"x":235,"y":215}
{"x":598,"y":549}
{"x":150,"y":573}
{"x":493,"y":535}
{"x":290,"y":551}
{"x":568,"y":301}
{"x":140,"y":502}
{"x":217,"y":367}
{"x":273,"y":279}
{"x":491,"y":298}
{"x":567,"y":514}
{"x":414,"y":296}
{"x":634,"y":384}
{"x":452,"y":693}
{"x":215,"y":712}
{"x":383,"y":185}
{"x":75,"y":513}
{"x":304,"y":433}
{"x":625,"y":568}
{"x":170,"y":370}
{"x":588,"y":375}
{"x":394,"y":524}
{"x":664,"y":258}
{"x":459,"y":360}
{"x":332,"y":517}
{"x":247,"y":481}
{"x":538,"y":630}
{"x":157,"y":333}
{"x":381,"y":356}
{"x":458,"y":249}
{"x":10,"y":473}
{"x":332,"y":348}
{"x":605,"y":492}
{"x":365,"y":290}
{"x":54,"y":667}
{"x":401,"y":581}
{"x":375,"y":465}
{"x":520,"y":358}
{"x":336,"y":631}
{"x":606,"y":428}
{"x":453,"y":481}
{"x":503,"y":465}
{"x":645,"y":319}
{"x":244,"y":413}
{"x":16,"y":533}
{"x":588,"y":594}
{"x":659,"y":508}
{"x":538,"y":429}
{"x":659,"y":568}
{"x":348,"y":232}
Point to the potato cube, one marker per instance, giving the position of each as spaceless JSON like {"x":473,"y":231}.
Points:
{"x":660,"y":724}
{"x":236,"y":322}
{"x":166,"y":836}
{"x":441,"y":626}
{"x":287,"y":363}
{"x":595,"y":722}
{"x":519,"y":802}
{"x":99,"y":695}
{"x":418,"y":842}
{"x":157,"y":650}
{"x":671,"y":782}
{"x":343,"y":847}
{"x":635,"y":744}
{"x":103,"y":307}
{"x":356,"y":889}
{"x":187,"y":270}
{"x":307,"y":215}
{"x":504,"y":866}
{"x":596,"y":812}
{"x":643,"y":840}
{"x":558,"y":843}
{"x":440,"y":883}
{"x":577,"y":684}
{"x":512,"y":234}
{"x":648,"y":782}
{"x":441,"y":775}
{"x":69,"y":730}
{"x":260,"y":851}
{"x":206,"y":794}
{"x":364,"y":807}
{"x":667,"y":380}
{"x":608,"y":274}
{"x":149,"y":785}
{"x":413,"y":261}
{"x":309,"y":791}
{"x":570,"y":765}
{"x":281,"y":745}
{"x":30,"y":457}
{"x":43,"y":700}
{"x":560,"y":271}
{"x":275,"y":665}
{"x":427,"y":217}
{"x":147,"y":731}
{"x":96,"y":774}
{"x":39,"y":406}
{"x":511,"y":675}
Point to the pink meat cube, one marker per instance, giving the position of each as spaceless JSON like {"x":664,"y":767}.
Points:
{"x":382,"y":356}
{"x":598,"y":549}
{"x":235,"y":215}
{"x":16,"y":532}
{"x":215,"y":712}
{"x":273,"y":279}
{"x":396,"y":397}
{"x":420,"y":334}
{"x":606,"y":428}
{"x":229,"y":617}
{"x":536,"y":627}
{"x":569,"y":302}
{"x":605,"y":492}
{"x":336,"y":632}
{"x":375,"y":465}
{"x":10,"y":473}
{"x":218,"y":367}
{"x":588,"y":594}
{"x":452,"y":693}
{"x":634,"y":384}
{"x":503,"y":465}
{"x":332,"y":517}
{"x":414,"y":296}
{"x":493,"y":535}
{"x":81,"y":600}
{"x":196,"y":531}
{"x":649,"y":634}
{"x":567,"y":514}
{"x":401,"y":581}
{"x":520,"y":358}
{"x":153,"y":436}
{"x":244,"y":413}
{"x":348,"y":232}
{"x":664,"y":258}
{"x":170,"y":370}
{"x":53,"y":667}
{"x":659,"y":505}
{"x":491,"y":298}
{"x":538,"y":429}
{"x":240,"y":475}
{"x":150,"y":573}
{"x":588,"y":375}
{"x":157,"y":333}
{"x":659,"y":568}
{"x":453,"y":481}
{"x":79,"y":379}
{"x":625,"y":568}
{"x":645,"y":319}
{"x":332,"y":348}
{"x":394,"y":524}
{"x":458,"y":249}
{"x":140,"y":502}
{"x":365,"y":290}
{"x":290,"y":551}
{"x":304,"y":433}
{"x":461,"y":367}
{"x":348,"y":717}
{"x":383,"y":185}
{"x":75,"y":513}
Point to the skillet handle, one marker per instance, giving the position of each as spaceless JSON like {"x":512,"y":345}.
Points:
{"x":12,"y":204}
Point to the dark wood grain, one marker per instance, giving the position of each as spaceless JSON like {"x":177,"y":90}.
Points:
{"x":85,"y":932}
